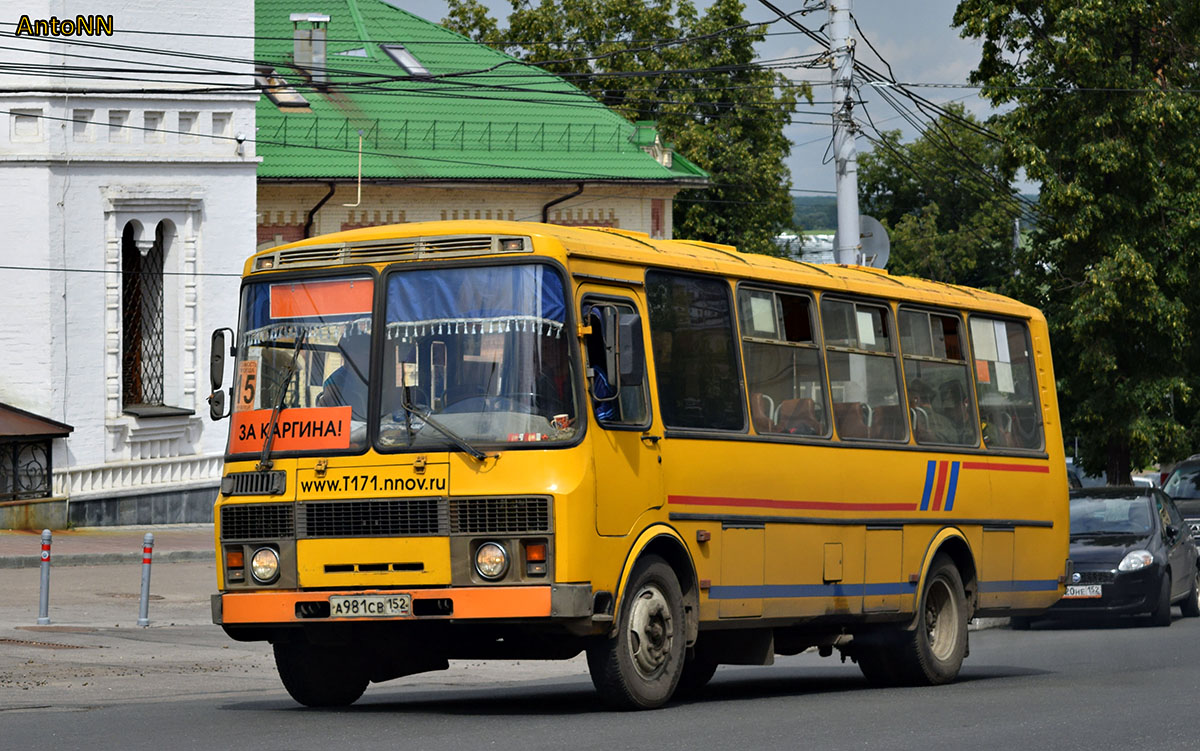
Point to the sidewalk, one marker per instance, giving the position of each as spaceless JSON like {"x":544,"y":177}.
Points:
{"x":91,"y":546}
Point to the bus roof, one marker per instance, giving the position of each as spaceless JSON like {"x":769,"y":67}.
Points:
{"x":637,"y":249}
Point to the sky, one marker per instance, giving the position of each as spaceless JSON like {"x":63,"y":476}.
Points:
{"x":914,"y":36}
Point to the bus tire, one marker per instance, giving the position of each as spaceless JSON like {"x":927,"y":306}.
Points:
{"x":932,"y":653}
{"x":640,"y":667}
{"x":318,"y":676}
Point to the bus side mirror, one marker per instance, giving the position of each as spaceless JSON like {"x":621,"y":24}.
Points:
{"x":216,"y":372}
{"x":216,"y":405}
{"x":603,"y":320}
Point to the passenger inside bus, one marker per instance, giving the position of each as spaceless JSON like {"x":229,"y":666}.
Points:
{"x":929,"y":424}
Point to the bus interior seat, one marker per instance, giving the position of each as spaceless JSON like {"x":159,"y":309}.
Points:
{"x":761,"y":408}
{"x":849,"y":419}
{"x":886,"y":423}
{"x":799,"y":416}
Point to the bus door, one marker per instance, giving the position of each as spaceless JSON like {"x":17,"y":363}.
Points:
{"x":626,"y":455}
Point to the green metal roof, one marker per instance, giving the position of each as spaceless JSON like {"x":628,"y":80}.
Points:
{"x":478,"y":114}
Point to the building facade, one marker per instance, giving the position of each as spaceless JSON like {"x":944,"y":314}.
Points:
{"x":134,"y":196}
{"x":376,"y":116}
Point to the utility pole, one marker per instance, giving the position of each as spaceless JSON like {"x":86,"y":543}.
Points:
{"x":845,"y":156}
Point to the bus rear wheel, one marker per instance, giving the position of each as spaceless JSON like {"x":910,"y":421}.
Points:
{"x":933,"y":652}
{"x":320,"y":676}
{"x":639,"y":668}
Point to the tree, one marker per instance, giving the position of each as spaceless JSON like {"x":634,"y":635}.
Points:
{"x":694,"y":74}
{"x":1103,"y":112}
{"x":945,"y":201}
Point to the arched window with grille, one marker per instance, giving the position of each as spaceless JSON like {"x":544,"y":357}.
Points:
{"x":142,"y":319}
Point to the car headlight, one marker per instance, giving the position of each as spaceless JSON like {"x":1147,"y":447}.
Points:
{"x":264,"y":565}
{"x":491,"y":560}
{"x":1136,"y":559}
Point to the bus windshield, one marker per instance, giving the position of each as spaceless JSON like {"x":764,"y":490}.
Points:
{"x":323,"y":386}
{"x":481,"y":351}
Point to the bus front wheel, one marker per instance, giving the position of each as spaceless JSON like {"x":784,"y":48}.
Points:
{"x":933,"y":652}
{"x":640,"y":666}
{"x":318,"y":676}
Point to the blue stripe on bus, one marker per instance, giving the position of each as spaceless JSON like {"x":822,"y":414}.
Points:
{"x":1025,"y":585}
{"x":769,"y":591}
{"x":928,"y":484}
{"x":754,"y":591}
{"x":953,"y":485}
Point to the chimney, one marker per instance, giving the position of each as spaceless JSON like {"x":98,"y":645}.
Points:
{"x":308,"y":51}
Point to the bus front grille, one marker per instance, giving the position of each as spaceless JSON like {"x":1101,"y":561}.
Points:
{"x":386,"y":518}
{"x":254,"y":483}
{"x":257,"y":521}
{"x":499,"y":515}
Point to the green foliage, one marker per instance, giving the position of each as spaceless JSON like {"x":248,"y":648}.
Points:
{"x":1103,"y":112}
{"x":945,"y":201}
{"x":814,"y":213}
{"x":720,"y":114}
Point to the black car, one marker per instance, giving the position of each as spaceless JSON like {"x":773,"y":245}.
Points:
{"x":1132,"y":554}
{"x":1183,"y":485}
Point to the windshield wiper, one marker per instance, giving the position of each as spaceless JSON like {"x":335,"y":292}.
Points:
{"x":264,"y":462}
{"x":456,"y":439}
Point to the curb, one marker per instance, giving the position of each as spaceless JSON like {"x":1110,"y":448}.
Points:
{"x":104,"y":559}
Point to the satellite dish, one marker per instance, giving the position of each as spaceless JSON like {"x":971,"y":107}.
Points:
{"x":873,"y":242}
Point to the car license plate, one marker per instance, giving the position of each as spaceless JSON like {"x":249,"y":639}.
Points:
{"x":369,"y":606}
{"x":1083,"y":590}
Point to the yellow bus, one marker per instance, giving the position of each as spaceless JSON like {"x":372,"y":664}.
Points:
{"x":465,"y":440}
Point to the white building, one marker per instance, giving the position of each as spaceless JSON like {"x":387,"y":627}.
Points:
{"x":129,"y":207}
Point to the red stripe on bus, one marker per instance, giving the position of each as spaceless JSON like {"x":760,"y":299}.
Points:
{"x":1007,"y":467}
{"x":695,"y":500}
{"x":940,"y":487}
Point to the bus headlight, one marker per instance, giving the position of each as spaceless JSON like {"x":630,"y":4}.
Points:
{"x":491,"y":560}
{"x":264,"y":565}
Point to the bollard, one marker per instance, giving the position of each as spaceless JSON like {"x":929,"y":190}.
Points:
{"x":144,"y":609}
{"x":44,"y":598}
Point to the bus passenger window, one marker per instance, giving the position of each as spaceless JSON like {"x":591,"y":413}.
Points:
{"x":695,"y":353}
{"x":783,"y":364}
{"x":864,"y":387}
{"x":1005,"y":386}
{"x":937,"y":379}
{"x":631,"y":405}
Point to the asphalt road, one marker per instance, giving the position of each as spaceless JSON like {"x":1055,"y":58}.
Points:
{"x":95,"y":681}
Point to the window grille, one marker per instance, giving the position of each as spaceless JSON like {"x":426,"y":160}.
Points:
{"x":142,"y":323}
{"x":24,"y":469}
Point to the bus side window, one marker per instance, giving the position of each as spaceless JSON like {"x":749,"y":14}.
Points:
{"x":1005,"y":386}
{"x":630,"y":407}
{"x":937,"y":379}
{"x":695,"y":350}
{"x":864,"y":385}
{"x":783,"y":363}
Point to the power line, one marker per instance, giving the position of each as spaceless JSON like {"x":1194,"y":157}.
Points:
{"x":120,"y":272}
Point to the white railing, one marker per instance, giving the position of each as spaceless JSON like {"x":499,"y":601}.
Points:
{"x":137,"y":476}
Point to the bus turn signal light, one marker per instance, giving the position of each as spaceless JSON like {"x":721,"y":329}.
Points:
{"x":535,"y":559}
{"x":235,"y":559}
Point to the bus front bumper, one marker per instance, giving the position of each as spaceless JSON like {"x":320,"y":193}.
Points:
{"x":263,"y":608}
